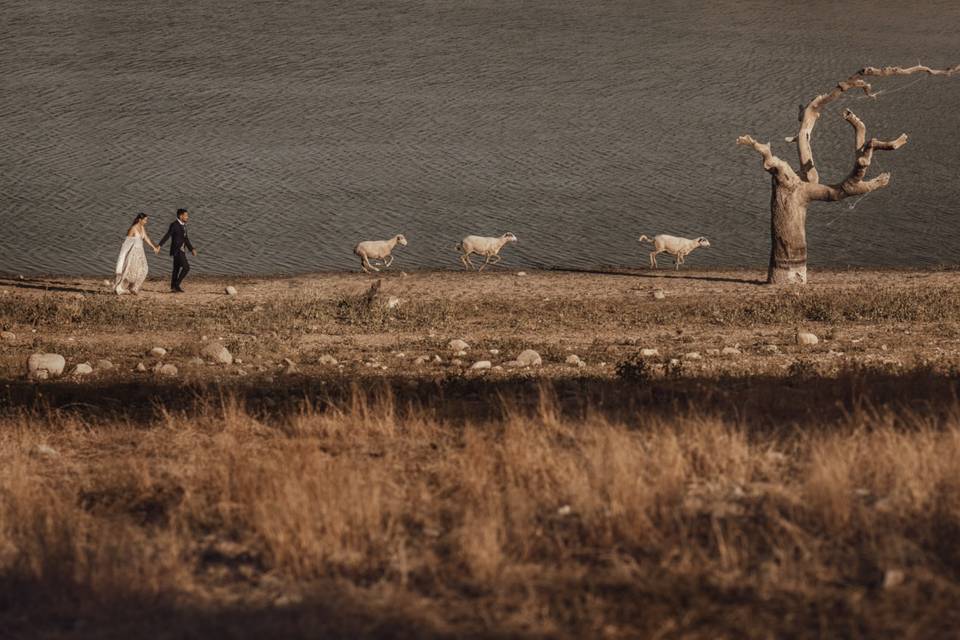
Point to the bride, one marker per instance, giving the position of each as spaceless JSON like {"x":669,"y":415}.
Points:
{"x":132,"y":263}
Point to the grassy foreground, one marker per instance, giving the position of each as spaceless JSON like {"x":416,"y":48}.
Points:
{"x":787,"y":492}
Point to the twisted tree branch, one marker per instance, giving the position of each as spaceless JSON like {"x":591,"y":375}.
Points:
{"x":780,"y":169}
{"x":811,"y":113}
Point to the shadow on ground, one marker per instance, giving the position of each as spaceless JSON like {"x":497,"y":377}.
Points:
{"x":758,"y":402}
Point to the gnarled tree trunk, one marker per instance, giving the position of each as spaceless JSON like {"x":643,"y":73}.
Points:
{"x":793,"y":192}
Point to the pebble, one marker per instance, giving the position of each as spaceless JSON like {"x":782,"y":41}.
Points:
{"x":421,"y":360}
{"x":730,"y":351}
{"x":713,"y":352}
{"x":157,"y":352}
{"x":649,"y":353}
{"x":481,"y":364}
{"x":106,"y":283}
{"x":8,"y":336}
{"x":457,"y":345}
{"x":104,"y":364}
{"x":521,"y":273}
{"x":196,"y":361}
{"x":327,"y":359}
{"x":460,"y":354}
{"x":393,"y":302}
{"x":494,"y":352}
{"x":658,"y":294}
{"x":218,"y":353}
{"x":82,"y":369}
{"x":437,"y":359}
{"x":168,"y":370}
{"x":806,"y":338}
{"x":289,"y":366}
{"x":529,"y":358}
{"x":893,"y":578}
{"x":141,"y":367}
{"x":770,"y":348}
{"x":41,"y":366}
{"x":574,"y":359}
{"x":230,"y":291}
{"x":457,"y":362}
{"x":692,"y":355}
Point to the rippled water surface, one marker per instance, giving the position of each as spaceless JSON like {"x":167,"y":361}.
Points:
{"x":291,"y":130}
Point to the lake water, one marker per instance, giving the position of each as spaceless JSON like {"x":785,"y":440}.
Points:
{"x":294,"y":129}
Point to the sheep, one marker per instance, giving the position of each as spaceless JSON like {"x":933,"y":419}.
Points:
{"x":378,"y":250}
{"x":488,"y":247}
{"x":679,"y":248}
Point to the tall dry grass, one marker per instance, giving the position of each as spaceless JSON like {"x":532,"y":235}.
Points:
{"x":399,"y":523}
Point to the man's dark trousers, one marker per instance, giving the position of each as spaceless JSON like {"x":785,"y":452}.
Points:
{"x":180,"y":269}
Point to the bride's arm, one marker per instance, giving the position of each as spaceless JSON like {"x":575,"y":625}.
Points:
{"x":155,"y":247}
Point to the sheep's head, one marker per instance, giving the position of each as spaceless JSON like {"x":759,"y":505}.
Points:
{"x":401,"y":240}
{"x":703,"y":242}
{"x":509,"y":237}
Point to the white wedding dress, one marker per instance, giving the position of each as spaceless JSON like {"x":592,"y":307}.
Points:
{"x":131,"y":265}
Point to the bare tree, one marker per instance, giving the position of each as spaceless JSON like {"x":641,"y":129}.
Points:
{"x":792,"y":192}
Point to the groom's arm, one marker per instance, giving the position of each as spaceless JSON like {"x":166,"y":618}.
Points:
{"x":186,"y":241}
{"x":166,"y":236}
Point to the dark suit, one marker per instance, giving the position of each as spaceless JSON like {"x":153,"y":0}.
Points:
{"x":179,"y":243}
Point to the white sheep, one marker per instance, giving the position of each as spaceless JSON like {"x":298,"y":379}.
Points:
{"x":378,"y":250}
{"x":488,"y":247}
{"x":679,"y":248}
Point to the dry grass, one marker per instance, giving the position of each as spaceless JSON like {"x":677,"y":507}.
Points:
{"x":370,"y":513}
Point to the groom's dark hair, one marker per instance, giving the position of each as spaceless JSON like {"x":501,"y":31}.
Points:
{"x":179,"y":211}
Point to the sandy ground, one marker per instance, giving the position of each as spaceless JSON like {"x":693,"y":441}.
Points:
{"x":602,"y":316}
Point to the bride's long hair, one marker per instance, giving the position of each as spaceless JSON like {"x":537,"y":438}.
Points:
{"x":140,"y":218}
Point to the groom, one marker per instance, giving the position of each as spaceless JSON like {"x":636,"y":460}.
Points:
{"x":178,"y":249}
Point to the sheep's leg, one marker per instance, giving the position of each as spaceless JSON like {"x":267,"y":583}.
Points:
{"x":497,"y":258}
{"x":653,"y":259}
{"x":388,"y":261}
{"x":366,"y":264}
{"x":485,"y":263}
{"x":465,"y":259}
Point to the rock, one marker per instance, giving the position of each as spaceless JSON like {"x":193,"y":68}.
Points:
{"x":8,"y":336}
{"x":529,"y":358}
{"x":713,"y":352}
{"x":82,"y":369}
{"x":196,"y":361}
{"x":327,"y":359}
{"x":437,"y":359}
{"x":104,"y":365}
{"x":692,"y":355}
{"x":770,"y":348}
{"x":393,"y":302}
{"x":241,"y":372}
{"x":230,"y":291}
{"x":106,"y":283}
{"x":730,"y":351}
{"x":141,"y":368}
{"x":521,"y":273}
{"x":157,"y":352}
{"x":289,"y":367}
{"x":44,"y":450}
{"x":512,"y":364}
{"x":237,"y":361}
{"x":41,"y":366}
{"x":494,"y":352}
{"x":460,"y":354}
{"x":481,"y":364}
{"x":498,"y":368}
{"x":893,"y":578}
{"x":806,"y":338}
{"x":574,"y":359}
{"x":457,"y":345}
{"x":649,"y":353}
{"x":218,"y":353}
{"x":457,"y":362}
{"x":168,"y":370}
{"x":658,"y":294}
{"x":421,"y":360}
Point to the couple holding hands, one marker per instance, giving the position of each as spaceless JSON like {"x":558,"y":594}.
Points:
{"x":132,"y":269}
